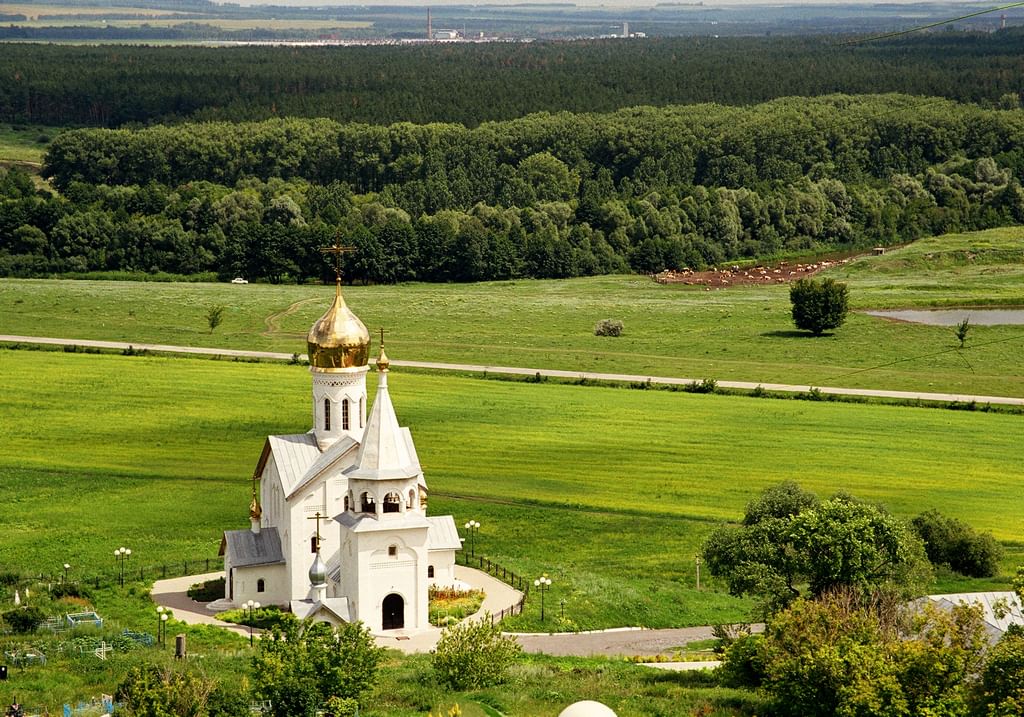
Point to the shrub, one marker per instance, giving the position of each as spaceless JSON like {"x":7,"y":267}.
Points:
{"x":708,"y":385}
{"x":952,"y":542}
{"x":151,"y":690}
{"x":608,"y":327}
{"x":818,"y":305}
{"x":473,"y":654}
{"x":72,"y":590}
{"x":207,"y":592}
{"x":24,"y":619}
{"x":1001,"y":690}
{"x":299,"y":666}
{"x":742,"y":662}
{"x":264,"y":618}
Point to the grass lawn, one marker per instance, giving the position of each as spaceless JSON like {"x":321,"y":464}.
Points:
{"x":608,"y":490}
{"x":24,"y":144}
{"x":740,"y":333}
{"x":113,"y":446}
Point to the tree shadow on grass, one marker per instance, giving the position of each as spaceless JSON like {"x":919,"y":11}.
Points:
{"x":793,"y":334}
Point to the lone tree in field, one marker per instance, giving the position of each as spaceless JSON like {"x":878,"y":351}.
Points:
{"x":214,"y":316}
{"x":818,"y":305}
{"x":961,"y":330}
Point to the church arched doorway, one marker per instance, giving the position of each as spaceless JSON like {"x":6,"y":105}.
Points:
{"x":393,"y":612}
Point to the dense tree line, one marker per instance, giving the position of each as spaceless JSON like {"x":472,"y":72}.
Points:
{"x":110,"y":86}
{"x":545,"y":196}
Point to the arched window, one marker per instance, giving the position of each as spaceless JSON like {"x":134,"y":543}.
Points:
{"x":430,"y":571}
{"x":392,"y":503}
{"x":260,"y":585}
{"x":367,"y":503}
{"x":412,"y":499}
{"x":362,"y":410}
{"x":327,"y":414}
{"x":346,"y":503}
{"x":344,"y":415}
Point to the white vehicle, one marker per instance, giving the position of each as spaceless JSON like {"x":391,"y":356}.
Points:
{"x":239,"y":280}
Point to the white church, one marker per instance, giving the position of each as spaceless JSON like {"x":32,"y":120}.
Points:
{"x":339,"y":530}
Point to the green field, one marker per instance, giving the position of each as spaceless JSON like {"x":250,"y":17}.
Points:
{"x":110,"y":445}
{"x":608,"y":490}
{"x":741,"y":333}
{"x":24,"y":145}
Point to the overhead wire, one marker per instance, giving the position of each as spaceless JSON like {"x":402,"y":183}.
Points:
{"x":939,"y":23}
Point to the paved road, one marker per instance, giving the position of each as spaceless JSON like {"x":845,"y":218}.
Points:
{"x":520,"y":371}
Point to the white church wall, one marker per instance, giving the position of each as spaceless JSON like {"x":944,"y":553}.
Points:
{"x":381,"y":574}
{"x":443,"y":562}
{"x":275,"y":585}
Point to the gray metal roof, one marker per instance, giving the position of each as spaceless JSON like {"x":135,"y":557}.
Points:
{"x":1000,"y":609}
{"x":248,"y":548}
{"x":442,"y":534}
{"x":336,"y":452}
{"x":293,"y":455}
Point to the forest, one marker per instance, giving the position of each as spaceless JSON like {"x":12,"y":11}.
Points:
{"x":547,"y":195}
{"x":468,"y":83}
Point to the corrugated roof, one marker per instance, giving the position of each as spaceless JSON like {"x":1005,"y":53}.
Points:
{"x":442,"y":534}
{"x":1001,"y":609}
{"x":333,"y":454}
{"x":248,"y":548}
{"x":293,"y":455}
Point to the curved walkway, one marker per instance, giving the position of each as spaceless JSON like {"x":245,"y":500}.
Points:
{"x":520,"y":371}
{"x":172,"y":593}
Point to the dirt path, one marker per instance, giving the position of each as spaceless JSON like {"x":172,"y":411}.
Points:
{"x":273,"y":322}
{"x":551,"y":373}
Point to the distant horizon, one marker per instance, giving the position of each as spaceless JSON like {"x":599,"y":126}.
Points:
{"x":605,"y":3}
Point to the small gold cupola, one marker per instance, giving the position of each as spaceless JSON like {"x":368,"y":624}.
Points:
{"x":338,"y":340}
{"x":383,"y":362}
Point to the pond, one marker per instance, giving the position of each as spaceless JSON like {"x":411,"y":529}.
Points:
{"x":952,"y":317}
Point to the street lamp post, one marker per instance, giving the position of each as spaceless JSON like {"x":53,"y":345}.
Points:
{"x":161,"y":624}
{"x":472,"y":526}
{"x":251,"y":608}
{"x":543,"y":582}
{"x":66,"y":568}
{"x":121,"y":555}
{"x":697,"y":558}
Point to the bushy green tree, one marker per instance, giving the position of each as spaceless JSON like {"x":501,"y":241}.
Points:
{"x":954,"y":543}
{"x":844,"y":655}
{"x":300,"y":666}
{"x":473,"y":654}
{"x":818,"y":305}
{"x":790,"y":545}
{"x":1001,"y":689}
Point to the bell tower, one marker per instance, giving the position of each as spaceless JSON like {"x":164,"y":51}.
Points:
{"x":339,"y":349}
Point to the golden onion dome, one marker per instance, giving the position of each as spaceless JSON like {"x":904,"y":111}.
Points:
{"x":338,"y":340}
{"x":383,"y":362}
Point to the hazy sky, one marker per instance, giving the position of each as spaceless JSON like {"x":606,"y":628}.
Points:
{"x":594,"y":3}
